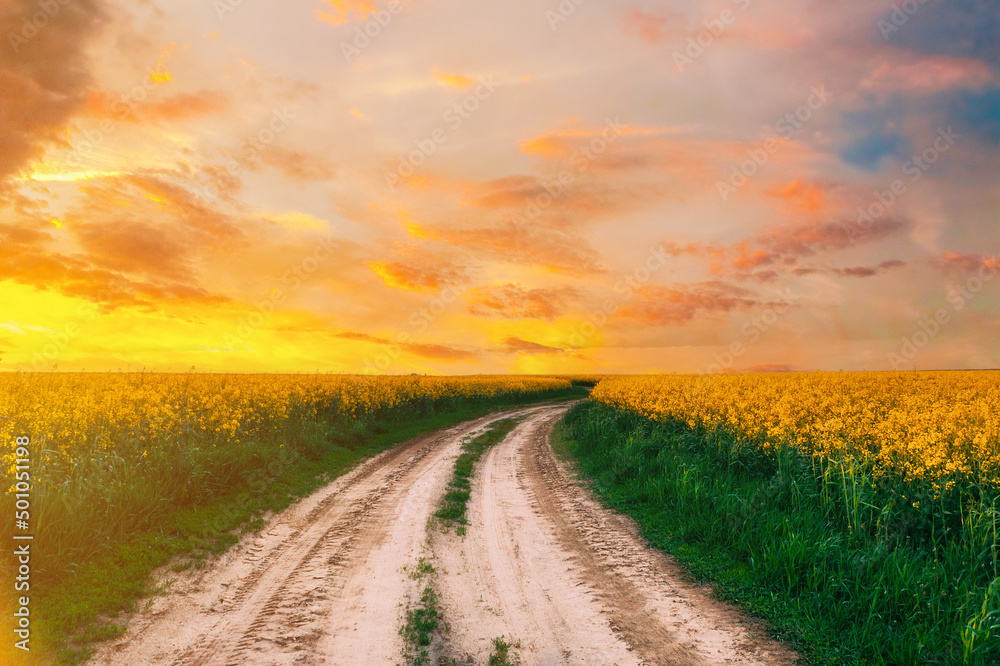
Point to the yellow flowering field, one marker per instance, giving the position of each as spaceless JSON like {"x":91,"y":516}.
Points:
{"x":941,"y":427}
{"x":75,"y":412}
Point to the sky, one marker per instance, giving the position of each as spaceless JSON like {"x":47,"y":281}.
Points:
{"x":454,"y":187}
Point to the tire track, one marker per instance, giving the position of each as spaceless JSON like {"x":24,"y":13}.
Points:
{"x":664,"y":618}
{"x":573,"y":582}
{"x":276,"y":596}
{"x":326,"y":581}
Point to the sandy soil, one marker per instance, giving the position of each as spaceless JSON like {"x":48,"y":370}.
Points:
{"x":326,"y":581}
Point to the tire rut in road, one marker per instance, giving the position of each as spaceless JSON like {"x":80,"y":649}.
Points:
{"x":271,"y":599}
{"x":663,"y":617}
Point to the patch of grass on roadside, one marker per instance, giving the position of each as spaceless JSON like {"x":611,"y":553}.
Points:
{"x":501,"y":655}
{"x":765,"y":533}
{"x":456,"y":498}
{"x":84,"y":609}
{"x":422,"y":621}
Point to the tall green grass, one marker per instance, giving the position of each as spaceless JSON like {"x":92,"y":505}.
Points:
{"x":849,"y":570}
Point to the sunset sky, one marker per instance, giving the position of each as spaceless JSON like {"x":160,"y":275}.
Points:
{"x":456,"y":187}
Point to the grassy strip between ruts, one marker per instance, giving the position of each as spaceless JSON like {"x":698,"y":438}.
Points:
{"x":88,"y":608}
{"x":422,"y":621}
{"x":758,"y":529}
{"x":456,"y":498}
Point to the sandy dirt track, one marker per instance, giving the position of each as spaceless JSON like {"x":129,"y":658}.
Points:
{"x":326,"y":581}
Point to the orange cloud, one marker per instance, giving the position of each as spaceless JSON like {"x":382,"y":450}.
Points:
{"x":969,"y":263}
{"x":802,"y":197}
{"x":562,"y":142}
{"x":925,"y":75}
{"x":810,"y":238}
{"x":440,"y":352}
{"x":299,"y":166}
{"x":455,"y":80}
{"x":660,"y":305}
{"x":411,"y":277}
{"x":513,"y":301}
{"x":522,"y":244}
{"x":341,"y":11}
{"x":652,"y":28}
{"x":867,"y":271}
{"x":177,"y":107}
{"x":43,"y":79}
{"x":517,"y":345}
{"x":748,"y":259}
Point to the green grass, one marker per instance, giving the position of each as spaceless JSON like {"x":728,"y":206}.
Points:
{"x":187,"y":504}
{"x":423,"y":621}
{"x":456,"y":498}
{"x":843,"y":572}
{"x":501,"y":655}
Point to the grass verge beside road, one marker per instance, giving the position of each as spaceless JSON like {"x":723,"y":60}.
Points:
{"x":774,"y":538}
{"x":72,"y":611}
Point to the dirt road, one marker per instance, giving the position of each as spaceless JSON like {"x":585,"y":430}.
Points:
{"x":327,"y":581}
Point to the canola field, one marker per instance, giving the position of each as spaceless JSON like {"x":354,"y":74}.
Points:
{"x":858,"y":512}
{"x":73,"y":414}
{"x":113,"y":454}
{"x":941,"y":427}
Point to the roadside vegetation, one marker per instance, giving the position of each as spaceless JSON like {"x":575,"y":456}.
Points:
{"x":134,"y":471}
{"x":456,"y":498}
{"x":423,"y":622}
{"x":851,"y":565}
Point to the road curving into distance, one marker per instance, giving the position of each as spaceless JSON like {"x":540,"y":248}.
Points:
{"x":328,"y":580}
